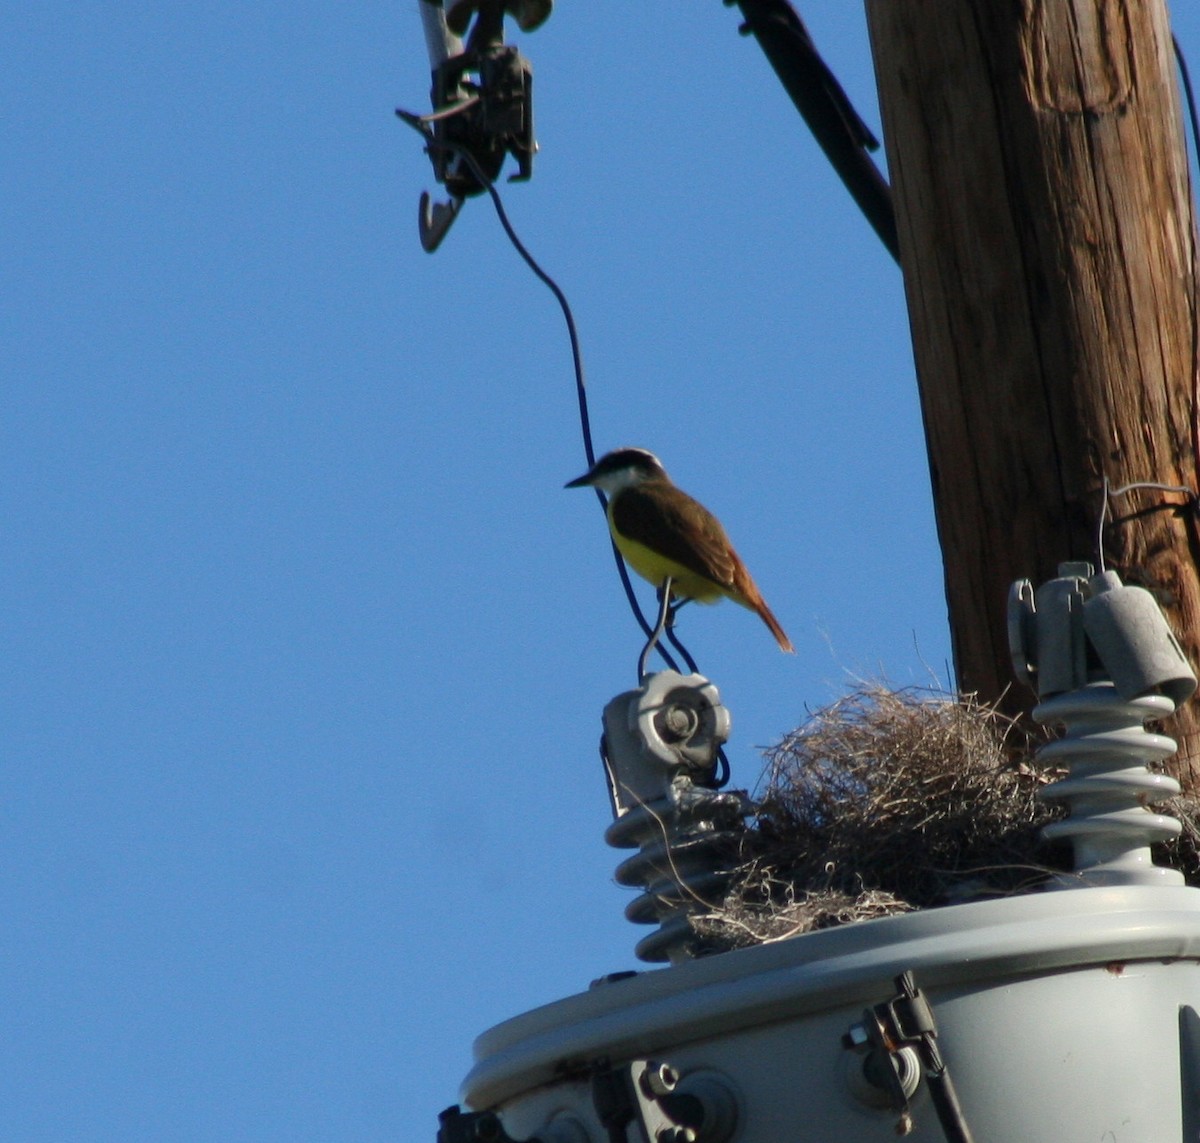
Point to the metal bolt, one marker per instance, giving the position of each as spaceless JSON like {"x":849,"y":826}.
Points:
{"x":659,"y":1080}
{"x":680,"y":722}
{"x":677,"y":1135}
{"x":856,"y":1037}
{"x":488,"y":1128}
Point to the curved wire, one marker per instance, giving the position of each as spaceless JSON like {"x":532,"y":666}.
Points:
{"x":1112,"y":493}
{"x":577,"y":359}
{"x":663,"y":622}
{"x":721,"y":773}
{"x":1188,"y":93}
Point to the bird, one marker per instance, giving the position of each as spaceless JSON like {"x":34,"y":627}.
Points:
{"x":663,"y":532}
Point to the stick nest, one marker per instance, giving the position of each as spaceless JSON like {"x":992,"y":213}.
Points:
{"x":889,"y":801}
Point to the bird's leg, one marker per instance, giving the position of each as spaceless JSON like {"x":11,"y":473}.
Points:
{"x":665,"y":614}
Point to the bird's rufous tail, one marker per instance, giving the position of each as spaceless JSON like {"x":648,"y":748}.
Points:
{"x":746,"y":592}
{"x":764,"y":613}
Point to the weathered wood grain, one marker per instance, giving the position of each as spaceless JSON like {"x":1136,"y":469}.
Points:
{"x":1047,"y":235}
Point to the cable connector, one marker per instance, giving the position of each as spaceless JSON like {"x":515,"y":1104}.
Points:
{"x":482,"y":98}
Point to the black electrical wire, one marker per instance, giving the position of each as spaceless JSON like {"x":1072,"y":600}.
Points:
{"x":1190,"y":99}
{"x":823,"y":104}
{"x":683,"y":651}
{"x":721,"y":774}
{"x":577,"y":358}
{"x":1189,"y":95}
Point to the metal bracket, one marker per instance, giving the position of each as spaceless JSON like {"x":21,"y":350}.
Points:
{"x":665,"y":1106}
{"x":906,"y":1022}
{"x":482,"y":98}
{"x":434,"y":219}
{"x":458,"y":1126}
{"x":529,"y":14}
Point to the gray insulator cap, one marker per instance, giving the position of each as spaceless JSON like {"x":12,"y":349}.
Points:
{"x":1134,"y":643}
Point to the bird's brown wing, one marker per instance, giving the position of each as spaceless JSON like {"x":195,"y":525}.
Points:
{"x":660,"y":517}
{"x":668,"y":521}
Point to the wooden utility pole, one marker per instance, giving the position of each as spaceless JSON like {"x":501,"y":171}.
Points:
{"x":1045,"y":218}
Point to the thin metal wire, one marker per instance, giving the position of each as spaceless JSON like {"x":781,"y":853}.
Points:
{"x":577,"y":358}
{"x":1124,"y":490}
{"x":665,"y":615}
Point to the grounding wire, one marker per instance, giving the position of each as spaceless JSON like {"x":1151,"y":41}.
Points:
{"x":1110,"y":494}
{"x":577,"y":359}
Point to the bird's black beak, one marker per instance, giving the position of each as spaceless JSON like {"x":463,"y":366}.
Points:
{"x":580,"y":481}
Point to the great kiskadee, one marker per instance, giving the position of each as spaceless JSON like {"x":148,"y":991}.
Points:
{"x":661,"y":531}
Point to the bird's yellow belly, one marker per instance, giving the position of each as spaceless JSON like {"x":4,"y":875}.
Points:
{"x":655,"y":568}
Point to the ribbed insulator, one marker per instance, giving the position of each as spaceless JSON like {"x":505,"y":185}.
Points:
{"x":1105,"y":747}
{"x":686,"y":851}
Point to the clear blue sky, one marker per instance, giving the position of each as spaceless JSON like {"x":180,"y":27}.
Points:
{"x":306,"y":645}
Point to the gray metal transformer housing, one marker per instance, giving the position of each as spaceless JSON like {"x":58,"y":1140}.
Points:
{"x":1067,"y":1017}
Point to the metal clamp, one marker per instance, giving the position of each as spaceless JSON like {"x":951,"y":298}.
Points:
{"x":673,"y":725}
{"x":482,"y":98}
{"x":668,"y":1107}
{"x":887,"y":1031}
